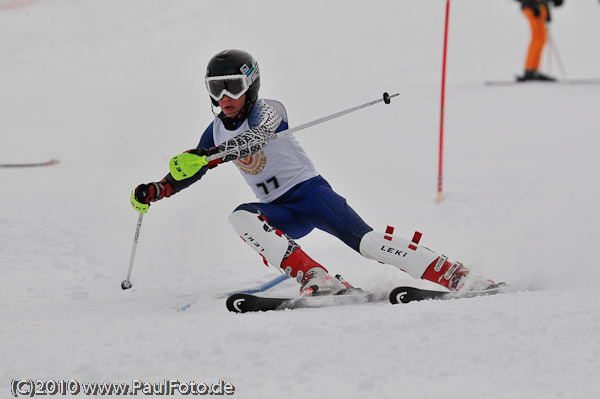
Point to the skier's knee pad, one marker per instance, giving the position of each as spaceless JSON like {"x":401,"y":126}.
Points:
{"x":267,"y":241}
{"x":403,"y":254}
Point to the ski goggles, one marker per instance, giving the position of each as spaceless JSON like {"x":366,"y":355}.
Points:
{"x":234,"y":86}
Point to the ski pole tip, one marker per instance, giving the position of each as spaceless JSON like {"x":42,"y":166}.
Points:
{"x":126,"y":284}
{"x":386,"y":98}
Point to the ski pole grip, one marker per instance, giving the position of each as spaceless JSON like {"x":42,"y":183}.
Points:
{"x":186,"y":165}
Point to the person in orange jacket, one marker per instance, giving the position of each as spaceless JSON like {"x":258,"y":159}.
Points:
{"x":537,"y":13}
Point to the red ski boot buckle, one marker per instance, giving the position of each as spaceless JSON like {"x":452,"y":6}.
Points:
{"x":415,"y":240}
{"x":388,"y":233}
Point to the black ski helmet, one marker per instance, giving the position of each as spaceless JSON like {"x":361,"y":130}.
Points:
{"x":236,"y":62}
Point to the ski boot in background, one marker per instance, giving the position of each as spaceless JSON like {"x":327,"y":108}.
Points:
{"x":531,"y":75}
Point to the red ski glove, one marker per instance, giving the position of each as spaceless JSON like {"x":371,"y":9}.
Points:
{"x":151,"y":192}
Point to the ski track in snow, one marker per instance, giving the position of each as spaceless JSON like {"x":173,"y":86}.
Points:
{"x":113,"y":89}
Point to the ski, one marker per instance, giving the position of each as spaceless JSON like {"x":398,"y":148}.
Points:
{"x":559,"y":81}
{"x":28,"y":165}
{"x":243,"y":303}
{"x":411,"y":294}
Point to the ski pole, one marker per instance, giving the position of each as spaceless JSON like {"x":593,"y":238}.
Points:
{"x":28,"y":165}
{"x":554,"y":51}
{"x":126,"y":284}
{"x":260,"y":288}
{"x":386,"y":99}
{"x":185,"y":165}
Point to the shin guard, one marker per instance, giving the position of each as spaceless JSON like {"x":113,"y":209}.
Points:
{"x":275,"y":247}
{"x":419,"y":262}
{"x":403,"y":254}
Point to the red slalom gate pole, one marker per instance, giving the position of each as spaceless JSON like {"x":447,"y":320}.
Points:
{"x":441,"y":155}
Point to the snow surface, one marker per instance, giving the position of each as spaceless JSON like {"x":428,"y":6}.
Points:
{"x":115,"y":88}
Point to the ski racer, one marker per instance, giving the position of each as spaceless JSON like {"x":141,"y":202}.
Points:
{"x":293,"y":198}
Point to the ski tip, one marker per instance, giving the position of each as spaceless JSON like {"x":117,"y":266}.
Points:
{"x":410,"y":294}
{"x":235,"y":303}
{"x":402,"y":295}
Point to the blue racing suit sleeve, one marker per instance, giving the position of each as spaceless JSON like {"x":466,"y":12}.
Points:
{"x":206,"y":141}
{"x":282,"y":126}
